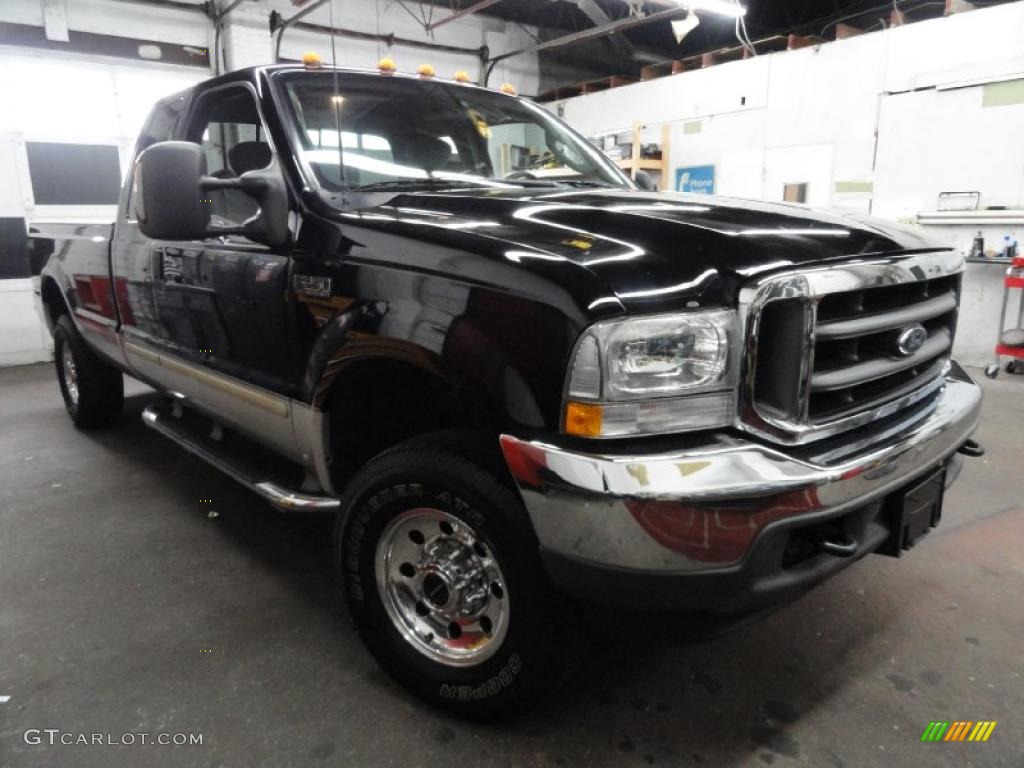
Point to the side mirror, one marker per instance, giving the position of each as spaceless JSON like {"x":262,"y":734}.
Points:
{"x":166,"y":194}
{"x":171,"y":196}
{"x":645,"y":182}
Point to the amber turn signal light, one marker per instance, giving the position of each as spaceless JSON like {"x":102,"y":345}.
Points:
{"x":583,"y":419}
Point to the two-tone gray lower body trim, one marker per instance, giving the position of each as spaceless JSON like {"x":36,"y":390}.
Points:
{"x":293,"y":429}
{"x":283,"y":498}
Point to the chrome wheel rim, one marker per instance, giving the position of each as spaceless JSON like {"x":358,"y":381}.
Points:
{"x":67,"y":362}
{"x":442,"y":587}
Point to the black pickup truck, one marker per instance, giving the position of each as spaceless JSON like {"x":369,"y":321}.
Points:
{"x":518,"y":380}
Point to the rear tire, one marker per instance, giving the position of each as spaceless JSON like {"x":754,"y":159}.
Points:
{"x":93,"y":391}
{"x":445,"y":583}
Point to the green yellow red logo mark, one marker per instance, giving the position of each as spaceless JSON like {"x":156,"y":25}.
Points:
{"x":958,"y":730}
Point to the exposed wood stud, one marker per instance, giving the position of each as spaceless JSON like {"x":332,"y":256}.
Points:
{"x":799,"y":41}
{"x":958,"y":6}
{"x":844,"y":31}
{"x":661,"y":69}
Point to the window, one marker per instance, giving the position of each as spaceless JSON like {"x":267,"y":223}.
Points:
{"x":227,"y":125}
{"x":161,"y":122}
{"x":73,"y":174}
{"x":61,"y":101}
{"x":399,"y":133}
{"x":15,"y":260}
{"x":138,"y":89}
{"x":517,"y":147}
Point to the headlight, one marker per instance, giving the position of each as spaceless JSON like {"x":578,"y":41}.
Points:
{"x":663,"y":373}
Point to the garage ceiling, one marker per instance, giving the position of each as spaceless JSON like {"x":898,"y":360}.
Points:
{"x":625,"y":52}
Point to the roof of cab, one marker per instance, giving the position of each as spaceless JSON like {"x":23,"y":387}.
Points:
{"x":252,"y":73}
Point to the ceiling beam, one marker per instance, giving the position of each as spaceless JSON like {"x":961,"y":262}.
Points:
{"x":477,"y":6}
{"x":597,"y":15}
{"x":592,"y":33}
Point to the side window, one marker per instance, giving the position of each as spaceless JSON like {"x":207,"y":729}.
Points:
{"x":518,"y":147}
{"x":227,"y":125}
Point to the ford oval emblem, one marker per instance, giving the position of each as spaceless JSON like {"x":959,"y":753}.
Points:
{"x":911,"y":340}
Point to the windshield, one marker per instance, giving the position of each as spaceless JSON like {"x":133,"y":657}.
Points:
{"x":399,"y":133}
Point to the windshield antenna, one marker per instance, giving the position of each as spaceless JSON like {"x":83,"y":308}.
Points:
{"x":336,"y":102}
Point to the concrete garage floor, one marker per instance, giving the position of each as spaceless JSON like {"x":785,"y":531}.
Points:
{"x":125,"y":608}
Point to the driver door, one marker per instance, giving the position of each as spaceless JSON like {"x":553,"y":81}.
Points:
{"x":223,"y":303}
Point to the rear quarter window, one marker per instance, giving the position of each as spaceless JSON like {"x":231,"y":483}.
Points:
{"x":160,"y":126}
{"x":162,"y":122}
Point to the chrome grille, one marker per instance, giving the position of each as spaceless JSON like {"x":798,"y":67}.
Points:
{"x":833,"y":349}
{"x":856,"y":360}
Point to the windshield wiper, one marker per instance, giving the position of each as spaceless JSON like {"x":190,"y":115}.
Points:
{"x":412,"y":184}
{"x":582,"y":183}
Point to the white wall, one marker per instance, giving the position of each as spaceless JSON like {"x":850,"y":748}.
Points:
{"x":763,"y":119}
{"x":879,"y":123}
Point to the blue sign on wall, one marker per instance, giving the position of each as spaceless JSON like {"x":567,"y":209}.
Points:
{"x":696,"y":178}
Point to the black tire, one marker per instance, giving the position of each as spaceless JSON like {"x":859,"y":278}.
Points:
{"x":100,"y":387}
{"x":541,"y":636}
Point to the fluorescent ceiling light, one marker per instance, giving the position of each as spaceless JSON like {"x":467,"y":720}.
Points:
{"x":721,"y":7}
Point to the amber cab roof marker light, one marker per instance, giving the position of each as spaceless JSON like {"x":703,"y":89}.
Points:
{"x":387,"y":66}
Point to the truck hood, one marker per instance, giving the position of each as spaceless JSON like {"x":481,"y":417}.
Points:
{"x":641,"y":252}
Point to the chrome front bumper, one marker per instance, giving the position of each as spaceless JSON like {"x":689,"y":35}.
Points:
{"x":703,"y":508}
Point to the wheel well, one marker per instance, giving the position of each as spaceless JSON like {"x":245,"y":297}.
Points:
{"x":375,"y":405}
{"x":53,"y":301}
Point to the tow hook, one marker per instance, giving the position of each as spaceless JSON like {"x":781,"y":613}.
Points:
{"x":833,"y":547}
{"x":971,"y":448}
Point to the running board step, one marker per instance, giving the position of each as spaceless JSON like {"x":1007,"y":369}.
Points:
{"x":161,"y":417}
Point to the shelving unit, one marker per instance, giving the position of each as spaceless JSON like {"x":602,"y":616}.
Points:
{"x":636,"y":162}
{"x":983,"y":217}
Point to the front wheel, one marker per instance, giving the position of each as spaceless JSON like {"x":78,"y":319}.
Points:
{"x":445,"y":583}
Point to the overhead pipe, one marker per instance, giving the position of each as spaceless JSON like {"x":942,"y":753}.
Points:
{"x":279,"y":25}
{"x":478,"y":6}
{"x":592,"y":33}
{"x":178,"y":5}
{"x":390,"y":39}
{"x":218,"y":17}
